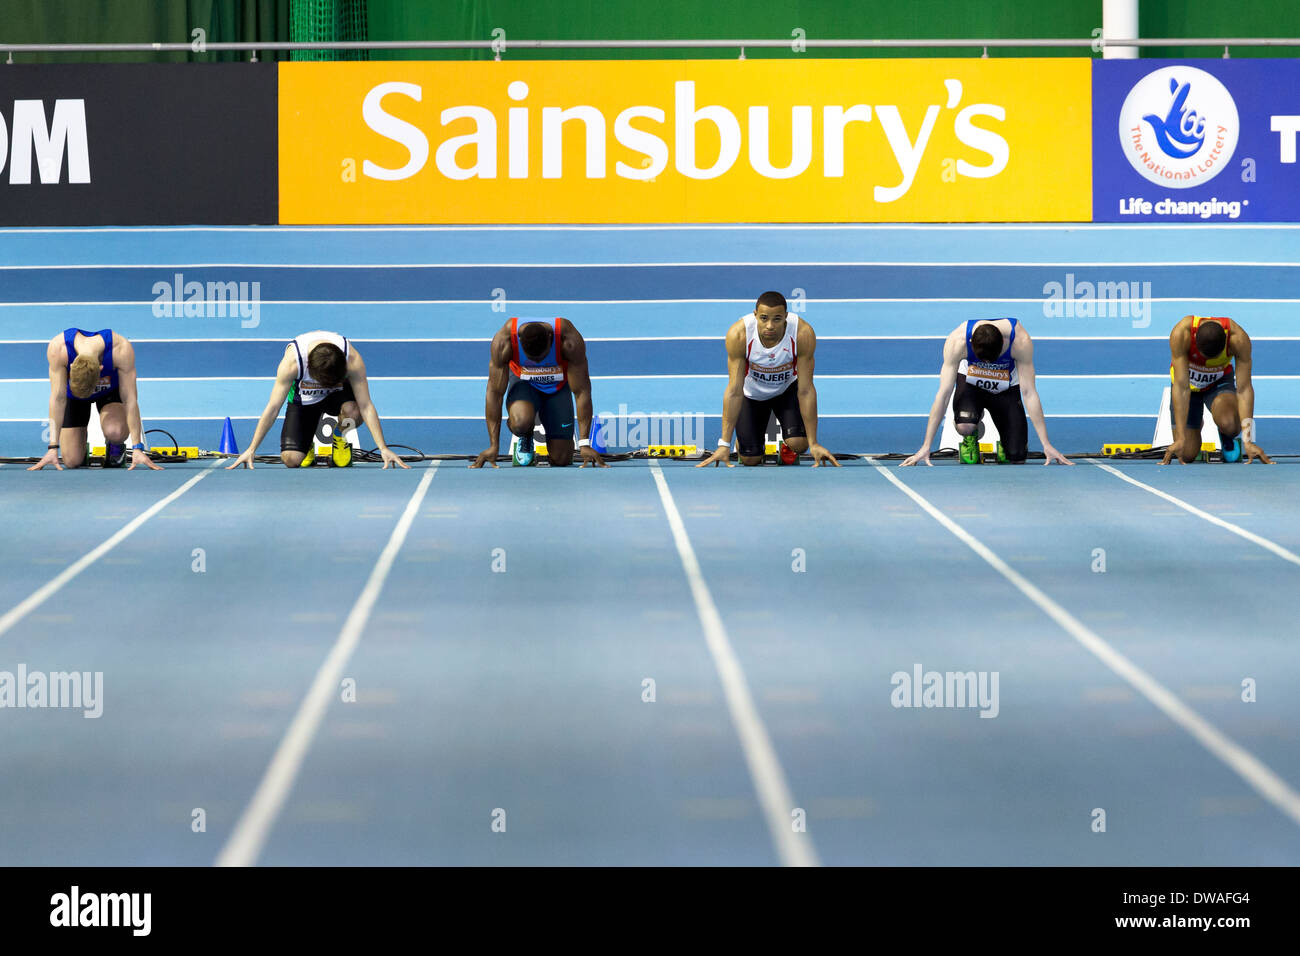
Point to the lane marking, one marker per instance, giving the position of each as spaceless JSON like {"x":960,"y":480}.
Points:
{"x":651,"y":301}
{"x":1082,"y":227}
{"x":1245,"y":764}
{"x":1250,"y":536}
{"x":48,"y":590}
{"x":250,"y":834}
{"x":774,"y":796}
{"x":678,"y":264}
{"x":689,"y":338}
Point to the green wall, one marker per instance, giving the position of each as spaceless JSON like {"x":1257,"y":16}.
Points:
{"x":729,"y":19}
{"x":139,"y":21}
{"x":66,"y":21}
{"x":1198,"y":18}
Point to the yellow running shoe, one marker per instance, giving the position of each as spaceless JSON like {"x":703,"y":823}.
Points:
{"x":341,"y":453}
{"x":309,"y":459}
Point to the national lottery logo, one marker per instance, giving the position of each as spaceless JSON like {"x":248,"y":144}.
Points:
{"x":1179,"y":126}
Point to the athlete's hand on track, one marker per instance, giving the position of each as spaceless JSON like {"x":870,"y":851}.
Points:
{"x":245,"y":459}
{"x":1170,"y":454}
{"x":591,"y":457}
{"x":51,"y":458}
{"x":392,"y":458}
{"x":140,"y":458}
{"x":820,"y":454}
{"x":721,"y":456}
{"x":921,"y":456}
{"x":1251,"y":451}
{"x":486,"y":457}
{"x":1050,"y":454}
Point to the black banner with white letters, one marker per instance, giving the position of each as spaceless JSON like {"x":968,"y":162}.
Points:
{"x":138,"y":144}
{"x":334,"y":907}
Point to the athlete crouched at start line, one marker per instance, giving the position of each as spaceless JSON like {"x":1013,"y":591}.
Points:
{"x":988,"y":365}
{"x":770,"y":372}
{"x":320,"y":373}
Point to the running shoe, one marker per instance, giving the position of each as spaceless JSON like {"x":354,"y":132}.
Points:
{"x":523,"y":454}
{"x":341,"y":453}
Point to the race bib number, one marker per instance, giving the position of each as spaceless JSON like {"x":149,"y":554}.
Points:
{"x":1204,"y":377}
{"x":989,"y":379}
{"x":543,"y":374}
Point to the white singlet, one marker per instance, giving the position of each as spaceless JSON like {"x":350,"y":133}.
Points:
{"x":769,"y":371}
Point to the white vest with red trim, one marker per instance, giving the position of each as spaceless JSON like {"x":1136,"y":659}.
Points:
{"x":769,"y":371}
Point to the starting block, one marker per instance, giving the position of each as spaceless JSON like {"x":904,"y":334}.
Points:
{"x":1165,"y":432}
{"x":325,"y":431}
{"x":987,"y":432}
{"x":1119,"y":448}
{"x":186,"y":451}
{"x":672,"y":451}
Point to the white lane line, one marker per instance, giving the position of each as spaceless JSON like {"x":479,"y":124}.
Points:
{"x":785,"y":227}
{"x":48,"y":590}
{"x":254,"y":826}
{"x":680,"y":263}
{"x":793,"y":849}
{"x":1250,"y":536}
{"x":1245,"y":764}
{"x":924,"y":300}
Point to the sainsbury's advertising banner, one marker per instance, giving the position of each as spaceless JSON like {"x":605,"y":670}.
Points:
{"x":1195,"y":140}
{"x":696,"y":141}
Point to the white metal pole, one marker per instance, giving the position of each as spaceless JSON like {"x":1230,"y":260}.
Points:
{"x":1119,"y":21}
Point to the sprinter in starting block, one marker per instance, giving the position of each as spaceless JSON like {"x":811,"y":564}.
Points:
{"x":770,"y":372}
{"x":988,"y":364}
{"x":320,"y":373}
{"x":93,"y":368}
{"x":1202,"y":350}
{"x":539,"y":369}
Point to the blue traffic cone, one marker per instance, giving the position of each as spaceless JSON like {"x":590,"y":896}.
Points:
{"x":228,"y":446}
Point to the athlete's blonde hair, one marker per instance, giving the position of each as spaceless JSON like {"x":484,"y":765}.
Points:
{"x":83,"y":376}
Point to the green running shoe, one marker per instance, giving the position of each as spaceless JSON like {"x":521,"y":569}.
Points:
{"x":970,"y":450}
{"x":524,"y":454}
{"x":1002,"y":456}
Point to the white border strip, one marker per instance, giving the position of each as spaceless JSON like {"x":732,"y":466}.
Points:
{"x":1245,"y":764}
{"x":904,"y":300}
{"x":713,"y":413}
{"x":675,"y":264}
{"x":651,"y":377}
{"x":249,"y":836}
{"x":691,"y":227}
{"x":1250,"y":536}
{"x":686,"y":338}
{"x":793,"y":849}
{"x":48,"y":590}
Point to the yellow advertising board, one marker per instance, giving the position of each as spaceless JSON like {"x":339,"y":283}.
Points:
{"x":886,"y":140}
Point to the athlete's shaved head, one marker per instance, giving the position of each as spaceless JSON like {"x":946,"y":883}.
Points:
{"x":326,"y":365}
{"x":986,"y":342}
{"x":1211,"y":339}
{"x":773,"y":300}
{"x":83,"y":376}
{"x":535,"y":339}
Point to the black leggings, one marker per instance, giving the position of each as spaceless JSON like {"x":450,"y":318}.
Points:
{"x":751,"y":424}
{"x":1005,"y":408}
